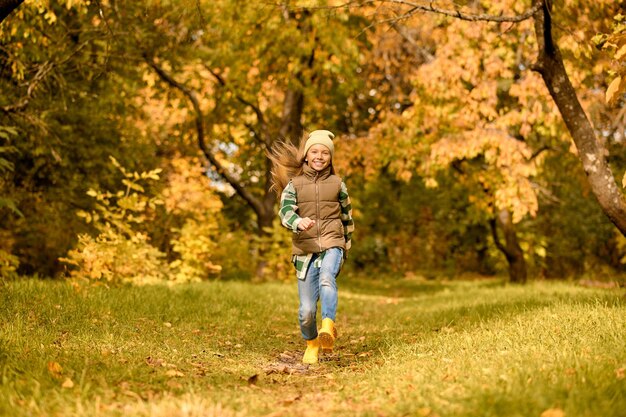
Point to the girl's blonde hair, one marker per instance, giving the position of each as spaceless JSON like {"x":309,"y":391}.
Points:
{"x":287,"y":163}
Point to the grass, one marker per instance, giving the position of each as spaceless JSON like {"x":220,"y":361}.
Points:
{"x":406,"y":348}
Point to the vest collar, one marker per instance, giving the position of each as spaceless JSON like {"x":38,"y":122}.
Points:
{"x":314,"y":175}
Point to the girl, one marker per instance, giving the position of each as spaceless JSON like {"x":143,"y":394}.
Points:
{"x":314,"y":204}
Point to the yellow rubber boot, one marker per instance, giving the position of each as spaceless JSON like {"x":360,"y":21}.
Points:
{"x":327,"y":334}
{"x":312,"y":351}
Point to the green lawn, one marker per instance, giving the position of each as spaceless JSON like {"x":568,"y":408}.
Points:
{"x":405,"y":348}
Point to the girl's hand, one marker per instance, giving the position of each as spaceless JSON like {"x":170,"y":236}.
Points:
{"x":306,"y":224}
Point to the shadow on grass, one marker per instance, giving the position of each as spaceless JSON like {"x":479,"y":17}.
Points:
{"x":393,"y":286}
{"x":369,"y":339}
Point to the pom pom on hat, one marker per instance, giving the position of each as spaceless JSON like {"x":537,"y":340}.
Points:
{"x":320,"y":137}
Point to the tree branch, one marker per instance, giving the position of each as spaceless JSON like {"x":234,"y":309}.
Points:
{"x":192,"y":96}
{"x":496,"y":239}
{"x":427,"y":56}
{"x":416,"y":8}
{"x":263,"y":135}
{"x":43,"y":72}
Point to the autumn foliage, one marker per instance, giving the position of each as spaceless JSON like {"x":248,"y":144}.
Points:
{"x":140,"y":157}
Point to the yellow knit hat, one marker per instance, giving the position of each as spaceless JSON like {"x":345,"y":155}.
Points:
{"x":321,"y":137}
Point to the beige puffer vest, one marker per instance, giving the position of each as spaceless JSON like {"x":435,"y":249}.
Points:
{"x":317,"y":195}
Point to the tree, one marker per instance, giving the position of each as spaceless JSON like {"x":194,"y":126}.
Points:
{"x":477,"y":106}
{"x":552,"y":69}
{"x":591,"y":152}
{"x":69,"y":112}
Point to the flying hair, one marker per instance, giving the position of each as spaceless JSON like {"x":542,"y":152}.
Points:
{"x":287,"y":163}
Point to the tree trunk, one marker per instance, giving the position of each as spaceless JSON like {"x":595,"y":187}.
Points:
{"x":291,"y":123}
{"x":7,"y":6}
{"x":511,"y":248}
{"x":590,"y":151}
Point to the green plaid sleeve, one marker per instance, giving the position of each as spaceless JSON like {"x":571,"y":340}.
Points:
{"x":288,"y":208}
{"x":346,"y":215}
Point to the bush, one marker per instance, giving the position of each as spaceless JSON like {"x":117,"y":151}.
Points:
{"x":195,"y":248}
{"x":113,"y":258}
{"x":119,"y":254}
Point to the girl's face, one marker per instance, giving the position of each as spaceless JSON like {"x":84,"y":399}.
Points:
{"x":318,"y":157}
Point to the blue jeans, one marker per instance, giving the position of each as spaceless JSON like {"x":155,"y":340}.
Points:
{"x":319,"y":283}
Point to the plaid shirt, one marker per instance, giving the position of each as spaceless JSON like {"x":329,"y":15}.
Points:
{"x":290,"y":219}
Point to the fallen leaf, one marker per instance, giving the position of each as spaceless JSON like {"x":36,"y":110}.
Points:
{"x":253,"y":379}
{"x":68,"y":383}
{"x":55,"y":369}
{"x":155,"y":362}
{"x":553,"y":412}
{"x":289,"y":401}
{"x":173,"y":373}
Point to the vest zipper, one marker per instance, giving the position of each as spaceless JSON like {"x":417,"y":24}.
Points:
{"x":317,"y":206}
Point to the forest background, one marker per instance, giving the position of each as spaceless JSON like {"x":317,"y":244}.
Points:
{"x":133,"y":135}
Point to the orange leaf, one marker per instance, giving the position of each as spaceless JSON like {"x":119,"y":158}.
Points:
{"x":613,"y":89}
{"x":55,"y":369}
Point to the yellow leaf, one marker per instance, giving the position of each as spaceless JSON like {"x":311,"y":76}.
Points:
{"x":174,"y":373}
{"x":133,"y":186}
{"x":613,"y":89}
{"x":50,"y":17}
{"x":622,"y":51}
{"x":68,"y":383}
{"x":624,"y":180}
